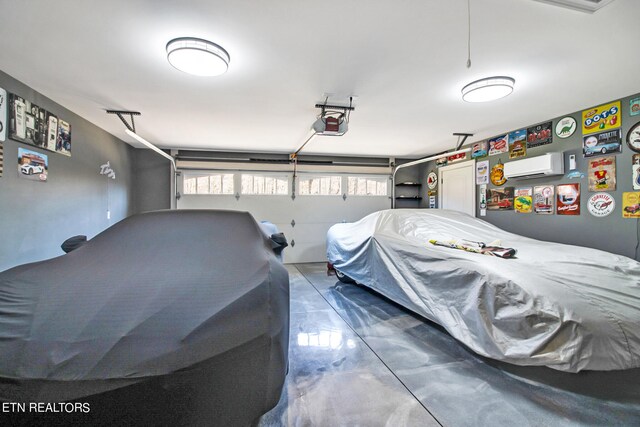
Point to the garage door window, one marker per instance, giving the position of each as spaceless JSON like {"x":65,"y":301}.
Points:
{"x":267,"y":185}
{"x":367,"y":185}
{"x":219,"y":183}
{"x":328,"y":185}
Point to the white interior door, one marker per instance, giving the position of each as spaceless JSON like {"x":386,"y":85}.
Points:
{"x":458,"y":187}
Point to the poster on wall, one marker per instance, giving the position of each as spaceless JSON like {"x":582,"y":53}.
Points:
{"x":543,"y":199}
{"x":539,"y":135}
{"x":482,"y":172}
{"x":518,"y":144}
{"x":568,"y":199}
{"x":17,"y":119}
{"x":498,"y":145}
{"x":497,"y":175}
{"x":523,"y":200}
{"x":27,"y":123}
{"x":634,"y":107}
{"x":479,"y":150}
{"x":31,"y":124}
{"x":631,"y":204}
{"x":602,"y":174}
{"x":636,"y":171}
{"x":32,"y":165}
{"x":63,"y":143}
{"x":3,"y":115}
{"x":601,"y":205}
{"x":601,"y":118}
{"x":500,"y":199}
{"x":602,"y":143}
{"x":566,"y":127}
{"x":52,"y":131}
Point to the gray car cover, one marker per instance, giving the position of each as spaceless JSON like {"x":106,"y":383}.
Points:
{"x":186,"y":311}
{"x":566,"y":307}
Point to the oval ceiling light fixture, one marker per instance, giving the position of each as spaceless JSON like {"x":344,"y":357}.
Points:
{"x":197,"y":56}
{"x":488,"y":89}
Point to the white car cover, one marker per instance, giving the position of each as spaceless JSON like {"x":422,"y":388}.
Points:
{"x":566,"y":307}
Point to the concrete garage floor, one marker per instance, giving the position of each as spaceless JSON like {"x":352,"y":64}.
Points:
{"x":357,"y":359}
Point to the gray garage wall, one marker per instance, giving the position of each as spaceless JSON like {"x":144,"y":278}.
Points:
{"x":151,"y":181}
{"x":613,"y":233}
{"x":36,"y":217}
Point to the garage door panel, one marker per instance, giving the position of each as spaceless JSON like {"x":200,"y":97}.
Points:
{"x":313,"y":216}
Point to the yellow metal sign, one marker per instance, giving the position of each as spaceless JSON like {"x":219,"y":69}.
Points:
{"x":601,"y":118}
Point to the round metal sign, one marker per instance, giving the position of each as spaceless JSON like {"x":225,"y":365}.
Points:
{"x":432,"y":180}
{"x":601,"y":204}
{"x":566,"y":127}
{"x":497,"y":175}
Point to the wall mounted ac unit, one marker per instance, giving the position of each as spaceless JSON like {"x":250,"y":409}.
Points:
{"x":535,"y":167}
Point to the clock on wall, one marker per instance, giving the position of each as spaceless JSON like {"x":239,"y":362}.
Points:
{"x":633,"y":138}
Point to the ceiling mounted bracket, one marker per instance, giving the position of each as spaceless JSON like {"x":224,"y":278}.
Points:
{"x":335,"y":107}
{"x":131,"y":114}
{"x":462,"y":137}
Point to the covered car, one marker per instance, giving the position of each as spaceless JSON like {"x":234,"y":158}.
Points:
{"x":566,"y":307}
{"x":168,"y":317}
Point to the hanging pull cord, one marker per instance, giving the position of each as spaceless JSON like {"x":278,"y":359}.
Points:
{"x":469,"y":34}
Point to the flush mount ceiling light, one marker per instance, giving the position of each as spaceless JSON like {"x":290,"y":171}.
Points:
{"x":488,"y":89}
{"x":197,"y":56}
{"x":589,"y":6}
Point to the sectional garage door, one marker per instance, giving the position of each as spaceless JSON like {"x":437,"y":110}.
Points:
{"x":322,"y":198}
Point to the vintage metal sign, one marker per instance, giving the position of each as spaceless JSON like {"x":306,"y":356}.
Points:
{"x":432,"y":180}
{"x":498,"y":145}
{"x":518,"y":144}
{"x":601,"y":118}
{"x":482,"y":172}
{"x":566,"y":127}
{"x":500,"y":199}
{"x":631,"y":204}
{"x":497,"y":175}
{"x":543,"y":199}
{"x":601,"y":204}
{"x":636,"y":171}
{"x":539,"y":135}
{"x":479,"y":149}
{"x":602,"y":174}
{"x":568,"y":199}
{"x":523,"y":200}
{"x":602,"y":143}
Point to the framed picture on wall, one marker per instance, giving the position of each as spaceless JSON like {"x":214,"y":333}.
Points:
{"x":63,"y":143}
{"x":33,"y":125}
{"x":32,"y":165}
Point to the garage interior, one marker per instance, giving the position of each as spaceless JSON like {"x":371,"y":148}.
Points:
{"x":318,"y":116}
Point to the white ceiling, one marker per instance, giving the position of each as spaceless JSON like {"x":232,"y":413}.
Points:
{"x":404,"y":60}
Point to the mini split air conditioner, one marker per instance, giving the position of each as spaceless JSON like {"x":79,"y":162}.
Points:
{"x":535,"y":167}
{"x":330,"y":126}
